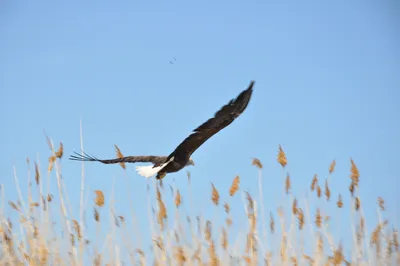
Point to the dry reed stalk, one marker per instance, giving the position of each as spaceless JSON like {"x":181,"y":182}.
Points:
{"x":213,"y":256}
{"x":332,"y":167}
{"x":192,"y":229}
{"x":395,"y":240}
{"x":294,"y":206}
{"x":352,"y":188}
{"x":214,"y":195}
{"x":224,"y":239}
{"x":318,"y":218}
{"x":133,"y":216}
{"x":34,"y":204}
{"x":283,"y":249}
{"x":287,"y":184}
{"x":355,"y":175}
{"x":250,"y":203}
{"x":99,"y":200}
{"x":314,"y":182}
{"x":180,"y":256}
{"x":14,"y":206}
{"x":177,"y":199}
{"x":282,"y":157}
{"x":29,"y":182}
{"x":59,"y":153}
{"x":340,"y":202}
{"x":114,"y":251}
{"x":319,"y":191}
{"x":294,"y":260}
{"x":63,"y":208}
{"x":376,"y":236}
{"x":320,"y":245}
{"x":19,"y":192}
{"x":381,"y":203}
{"x":77,"y":229}
{"x":257,"y":163}
{"x":228,"y":222}
{"x":327,"y":190}
{"x":82,"y":189}
{"x":96,"y":215}
{"x":162,"y":211}
{"x":120,"y":155}
{"x":358,"y":203}
{"x":207,"y":230}
{"x":226,"y":207}
{"x":235,"y":186}
{"x":52,"y":159}
{"x":300,"y":217}
{"x":150,"y":211}
{"x":49,"y":197}
{"x":37,"y":174}
{"x":338,"y":256}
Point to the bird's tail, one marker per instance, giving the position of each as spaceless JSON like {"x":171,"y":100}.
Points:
{"x":149,"y":170}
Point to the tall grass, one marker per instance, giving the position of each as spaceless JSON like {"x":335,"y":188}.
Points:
{"x":295,"y":234}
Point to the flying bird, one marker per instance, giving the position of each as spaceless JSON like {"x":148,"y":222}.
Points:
{"x":181,"y":156}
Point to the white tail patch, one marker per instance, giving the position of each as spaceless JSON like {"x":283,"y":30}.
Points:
{"x":148,"y":170}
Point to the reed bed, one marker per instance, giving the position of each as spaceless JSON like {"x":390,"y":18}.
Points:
{"x":295,"y":233}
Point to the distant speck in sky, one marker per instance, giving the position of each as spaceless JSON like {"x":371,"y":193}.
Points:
{"x":171,"y":61}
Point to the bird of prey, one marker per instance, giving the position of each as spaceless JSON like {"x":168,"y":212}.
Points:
{"x":181,"y":156}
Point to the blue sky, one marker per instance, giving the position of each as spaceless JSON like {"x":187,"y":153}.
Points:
{"x":327,"y":87}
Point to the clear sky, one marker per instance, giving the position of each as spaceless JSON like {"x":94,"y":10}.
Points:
{"x":327,"y":87}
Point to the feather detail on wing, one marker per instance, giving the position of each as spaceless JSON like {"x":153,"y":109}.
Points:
{"x":156,"y":160}
{"x":225,"y":116}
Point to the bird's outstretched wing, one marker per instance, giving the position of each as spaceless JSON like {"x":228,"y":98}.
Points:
{"x":156,"y":160}
{"x":225,"y":116}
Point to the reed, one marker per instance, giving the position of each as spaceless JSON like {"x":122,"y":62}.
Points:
{"x":177,"y":240}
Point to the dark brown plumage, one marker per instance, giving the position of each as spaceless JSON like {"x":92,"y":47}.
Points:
{"x":181,"y":156}
{"x":156,"y":160}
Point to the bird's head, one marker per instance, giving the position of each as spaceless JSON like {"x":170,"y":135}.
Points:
{"x":190,"y":162}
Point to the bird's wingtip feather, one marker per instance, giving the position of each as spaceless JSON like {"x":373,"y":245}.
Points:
{"x":82,"y":157}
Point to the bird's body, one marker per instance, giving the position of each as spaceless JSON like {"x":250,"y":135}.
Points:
{"x":181,"y":156}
